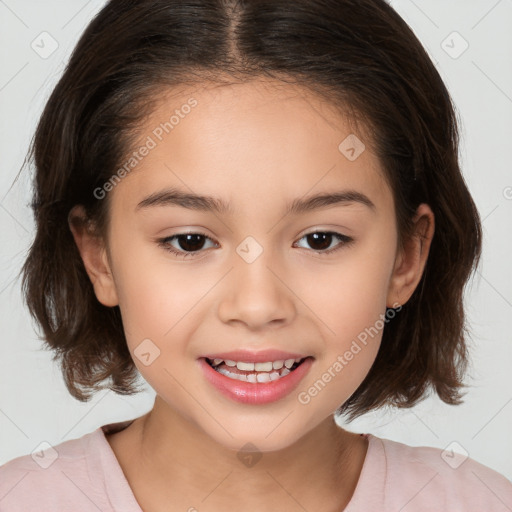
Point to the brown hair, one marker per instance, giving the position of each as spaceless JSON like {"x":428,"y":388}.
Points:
{"x":359,"y":55}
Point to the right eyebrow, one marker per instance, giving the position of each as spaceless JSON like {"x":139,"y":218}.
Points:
{"x":175,"y":197}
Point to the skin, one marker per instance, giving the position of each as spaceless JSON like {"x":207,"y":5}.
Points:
{"x":257,"y":145}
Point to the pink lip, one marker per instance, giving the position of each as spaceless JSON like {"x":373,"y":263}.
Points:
{"x":264,"y":356}
{"x":255,"y":393}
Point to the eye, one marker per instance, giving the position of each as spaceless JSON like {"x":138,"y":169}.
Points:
{"x":188,"y":242}
{"x":320,"y":240}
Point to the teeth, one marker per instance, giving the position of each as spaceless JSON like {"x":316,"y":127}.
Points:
{"x":264,"y":372}
{"x":263,"y":367}
{"x":249,"y":367}
{"x":267,"y":377}
{"x":263,"y":377}
{"x":259,"y":367}
{"x":255,"y":377}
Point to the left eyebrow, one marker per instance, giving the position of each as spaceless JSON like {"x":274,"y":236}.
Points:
{"x":342,"y":198}
{"x":176,"y":197}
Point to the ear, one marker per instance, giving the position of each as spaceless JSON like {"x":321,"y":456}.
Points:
{"x":410,"y":263}
{"x":94,"y":255}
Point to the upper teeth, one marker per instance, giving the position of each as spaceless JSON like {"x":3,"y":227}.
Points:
{"x":259,"y":367}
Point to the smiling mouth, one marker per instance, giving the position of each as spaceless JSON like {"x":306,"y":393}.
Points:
{"x":255,"y":372}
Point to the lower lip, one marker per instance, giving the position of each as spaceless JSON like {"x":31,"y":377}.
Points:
{"x":256,"y":393}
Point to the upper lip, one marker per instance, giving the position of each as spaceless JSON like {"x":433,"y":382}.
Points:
{"x":263,"y":356}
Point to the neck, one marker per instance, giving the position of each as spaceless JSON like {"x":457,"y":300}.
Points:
{"x":177,"y":460}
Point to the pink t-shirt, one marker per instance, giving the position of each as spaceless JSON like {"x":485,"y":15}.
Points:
{"x":83,"y":474}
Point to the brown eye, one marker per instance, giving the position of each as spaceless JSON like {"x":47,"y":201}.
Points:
{"x":190,"y":242}
{"x":186,"y":243}
{"x":321,"y":241}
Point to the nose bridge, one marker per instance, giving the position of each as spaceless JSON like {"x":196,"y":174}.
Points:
{"x":255,"y":294}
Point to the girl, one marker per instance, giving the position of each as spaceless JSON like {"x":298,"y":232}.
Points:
{"x":258,"y":206}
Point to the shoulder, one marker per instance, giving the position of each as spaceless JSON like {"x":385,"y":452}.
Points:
{"x":59,"y":477}
{"x":430,"y":478}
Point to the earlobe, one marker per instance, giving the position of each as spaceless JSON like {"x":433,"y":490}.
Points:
{"x":411,"y":261}
{"x":94,"y":256}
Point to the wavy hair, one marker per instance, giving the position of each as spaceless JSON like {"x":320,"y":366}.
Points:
{"x":360,"y":56}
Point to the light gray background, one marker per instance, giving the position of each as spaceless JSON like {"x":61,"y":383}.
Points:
{"x":34,"y":403}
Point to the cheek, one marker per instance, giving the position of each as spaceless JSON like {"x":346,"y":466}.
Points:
{"x":351,"y":295}
{"x":356,"y":303}
{"x":349,"y":298}
{"x":351,"y":319}
{"x":158,"y":298}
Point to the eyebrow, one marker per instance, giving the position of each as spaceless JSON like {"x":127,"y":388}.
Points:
{"x":175,"y":197}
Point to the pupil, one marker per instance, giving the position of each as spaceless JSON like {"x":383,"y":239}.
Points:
{"x":192,"y":244}
{"x":322,"y":237}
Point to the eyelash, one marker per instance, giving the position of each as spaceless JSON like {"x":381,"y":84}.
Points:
{"x":164,"y":242}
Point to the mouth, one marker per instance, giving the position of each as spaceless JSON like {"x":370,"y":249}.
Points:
{"x":258,"y":372}
{"x":260,"y":378}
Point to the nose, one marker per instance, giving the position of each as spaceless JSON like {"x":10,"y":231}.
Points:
{"x":256,"y":295}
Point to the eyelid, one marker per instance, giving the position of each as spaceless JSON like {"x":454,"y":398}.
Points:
{"x":345,"y":241}
{"x":165,"y":243}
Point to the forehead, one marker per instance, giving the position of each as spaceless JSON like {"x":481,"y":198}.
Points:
{"x":250,"y":144}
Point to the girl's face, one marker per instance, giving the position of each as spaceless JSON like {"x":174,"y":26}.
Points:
{"x":257,"y":278}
